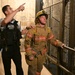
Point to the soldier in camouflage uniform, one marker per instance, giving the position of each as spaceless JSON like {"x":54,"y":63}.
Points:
{"x":36,"y":43}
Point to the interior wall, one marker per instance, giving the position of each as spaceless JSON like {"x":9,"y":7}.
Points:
{"x":0,"y":10}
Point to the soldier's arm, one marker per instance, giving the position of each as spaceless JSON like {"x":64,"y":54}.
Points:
{"x":24,"y":31}
{"x":10,"y":16}
{"x":54,"y":41}
{"x":27,"y":43}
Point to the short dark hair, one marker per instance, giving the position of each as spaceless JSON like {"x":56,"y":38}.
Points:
{"x":4,"y":8}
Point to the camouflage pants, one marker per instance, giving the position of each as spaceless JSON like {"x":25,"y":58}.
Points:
{"x":35,"y":65}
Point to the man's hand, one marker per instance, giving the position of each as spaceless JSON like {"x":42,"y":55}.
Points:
{"x":63,"y":45}
{"x":24,"y":31}
{"x":21,"y":7}
{"x":31,"y":57}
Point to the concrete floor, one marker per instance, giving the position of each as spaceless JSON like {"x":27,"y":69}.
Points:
{"x":24,"y":66}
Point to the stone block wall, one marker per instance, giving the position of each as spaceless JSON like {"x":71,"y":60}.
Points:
{"x":54,"y":10}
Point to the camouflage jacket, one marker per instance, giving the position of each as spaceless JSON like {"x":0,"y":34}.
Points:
{"x":37,"y":38}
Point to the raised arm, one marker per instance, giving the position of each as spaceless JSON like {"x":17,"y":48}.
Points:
{"x":10,"y":16}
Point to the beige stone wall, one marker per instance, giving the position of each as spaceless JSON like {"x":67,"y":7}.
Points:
{"x":24,"y":17}
{"x":47,"y":3}
{"x":0,"y":10}
{"x":54,"y":9}
{"x":50,"y":2}
{"x":54,"y":21}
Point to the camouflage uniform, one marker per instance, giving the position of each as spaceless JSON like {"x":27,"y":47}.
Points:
{"x":36,"y":40}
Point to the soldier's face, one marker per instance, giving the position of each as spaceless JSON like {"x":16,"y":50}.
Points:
{"x":9,"y":10}
{"x":43,"y":19}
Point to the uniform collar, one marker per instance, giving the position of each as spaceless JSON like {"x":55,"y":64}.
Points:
{"x":38,"y":25}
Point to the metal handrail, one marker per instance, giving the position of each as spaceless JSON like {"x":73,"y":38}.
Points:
{"x":69,"y":48}
{"x":56,"y":63}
